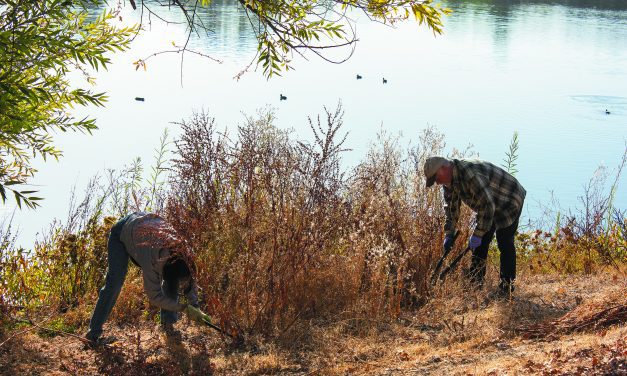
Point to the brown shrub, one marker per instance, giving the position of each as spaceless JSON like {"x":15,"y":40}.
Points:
{"x":281,"y":234}
{"x":264,"y":214}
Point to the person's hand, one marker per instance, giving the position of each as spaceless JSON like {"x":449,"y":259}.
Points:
{"x":197,"y":315}
{"x":448,"y":243}
{"x":475,"y":241}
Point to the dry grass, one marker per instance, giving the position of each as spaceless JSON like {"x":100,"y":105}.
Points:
{"x":469,"y":335}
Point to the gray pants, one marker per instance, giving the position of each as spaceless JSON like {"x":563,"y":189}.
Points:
{"x":117,"y":259}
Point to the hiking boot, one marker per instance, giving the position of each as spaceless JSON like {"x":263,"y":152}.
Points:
{"x":169,"y":331}
{"x":503,"y":293}
{"x":94,"y":342}
{"x":507,"y":286}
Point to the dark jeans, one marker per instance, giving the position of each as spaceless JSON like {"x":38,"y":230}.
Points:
{"x":505,"y":240}
{"x":118,"y":259}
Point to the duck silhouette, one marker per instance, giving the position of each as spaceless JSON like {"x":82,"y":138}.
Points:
{"x":385,"y":81}
{"x":607,"y":112}
{"x":359,"y":77}
{"x":282,"y":97}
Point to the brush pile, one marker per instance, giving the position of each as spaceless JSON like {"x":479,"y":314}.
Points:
{"x":608,"y":359}
{"x":586,"y":317}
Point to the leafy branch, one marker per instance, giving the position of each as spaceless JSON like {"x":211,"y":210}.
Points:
{"x":40,"y":44}
{"x":284,"y":27}
{"x":20,"y":196}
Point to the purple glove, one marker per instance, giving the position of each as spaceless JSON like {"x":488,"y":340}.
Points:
{"x":474,"y":242}
{"x":448,"y":243}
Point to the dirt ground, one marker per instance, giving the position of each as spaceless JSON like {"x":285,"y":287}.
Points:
{"x":542,"y":330}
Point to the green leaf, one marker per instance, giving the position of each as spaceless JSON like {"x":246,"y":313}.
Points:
{"x":18,"y":199}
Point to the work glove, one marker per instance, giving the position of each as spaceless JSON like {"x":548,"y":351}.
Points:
{"x":475,"y":241}
{"x":448,"y":243}
{"x":197,"y":315}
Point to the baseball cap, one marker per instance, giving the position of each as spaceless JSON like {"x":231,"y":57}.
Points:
{"x":432,"y":164}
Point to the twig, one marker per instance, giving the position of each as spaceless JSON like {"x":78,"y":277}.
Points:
{"x":16,"y":334}
{"x":84,"y":340}
{"x":23,"y":331}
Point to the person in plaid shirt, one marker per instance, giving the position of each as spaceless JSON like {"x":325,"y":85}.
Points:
{"x":497,"y":199}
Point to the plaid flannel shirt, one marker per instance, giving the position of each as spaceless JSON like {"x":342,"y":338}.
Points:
{"x":495,"y":195}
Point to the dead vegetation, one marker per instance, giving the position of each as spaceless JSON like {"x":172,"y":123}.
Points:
{"x":470,"y":335}
{"x":324,"y":269}
{"x":589,"y":317}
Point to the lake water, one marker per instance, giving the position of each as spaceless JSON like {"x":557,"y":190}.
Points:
{"x":546,"y":69}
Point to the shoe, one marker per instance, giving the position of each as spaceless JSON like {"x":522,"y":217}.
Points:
{"x":93,"y":342}
{"x":503,"y":293}
{"x":169,"y":331}
{"x":507,"y":286}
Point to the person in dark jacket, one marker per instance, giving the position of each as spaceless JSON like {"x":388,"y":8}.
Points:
{"x":167,"y":265}
{"x":495,"y":196}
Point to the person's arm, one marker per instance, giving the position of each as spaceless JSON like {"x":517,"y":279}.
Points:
{"x":152,"y":287}
{"x":451,"y":209}
{"x":484,"y":203}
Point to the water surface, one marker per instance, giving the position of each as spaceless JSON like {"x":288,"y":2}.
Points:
{"x":546,"y":69}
